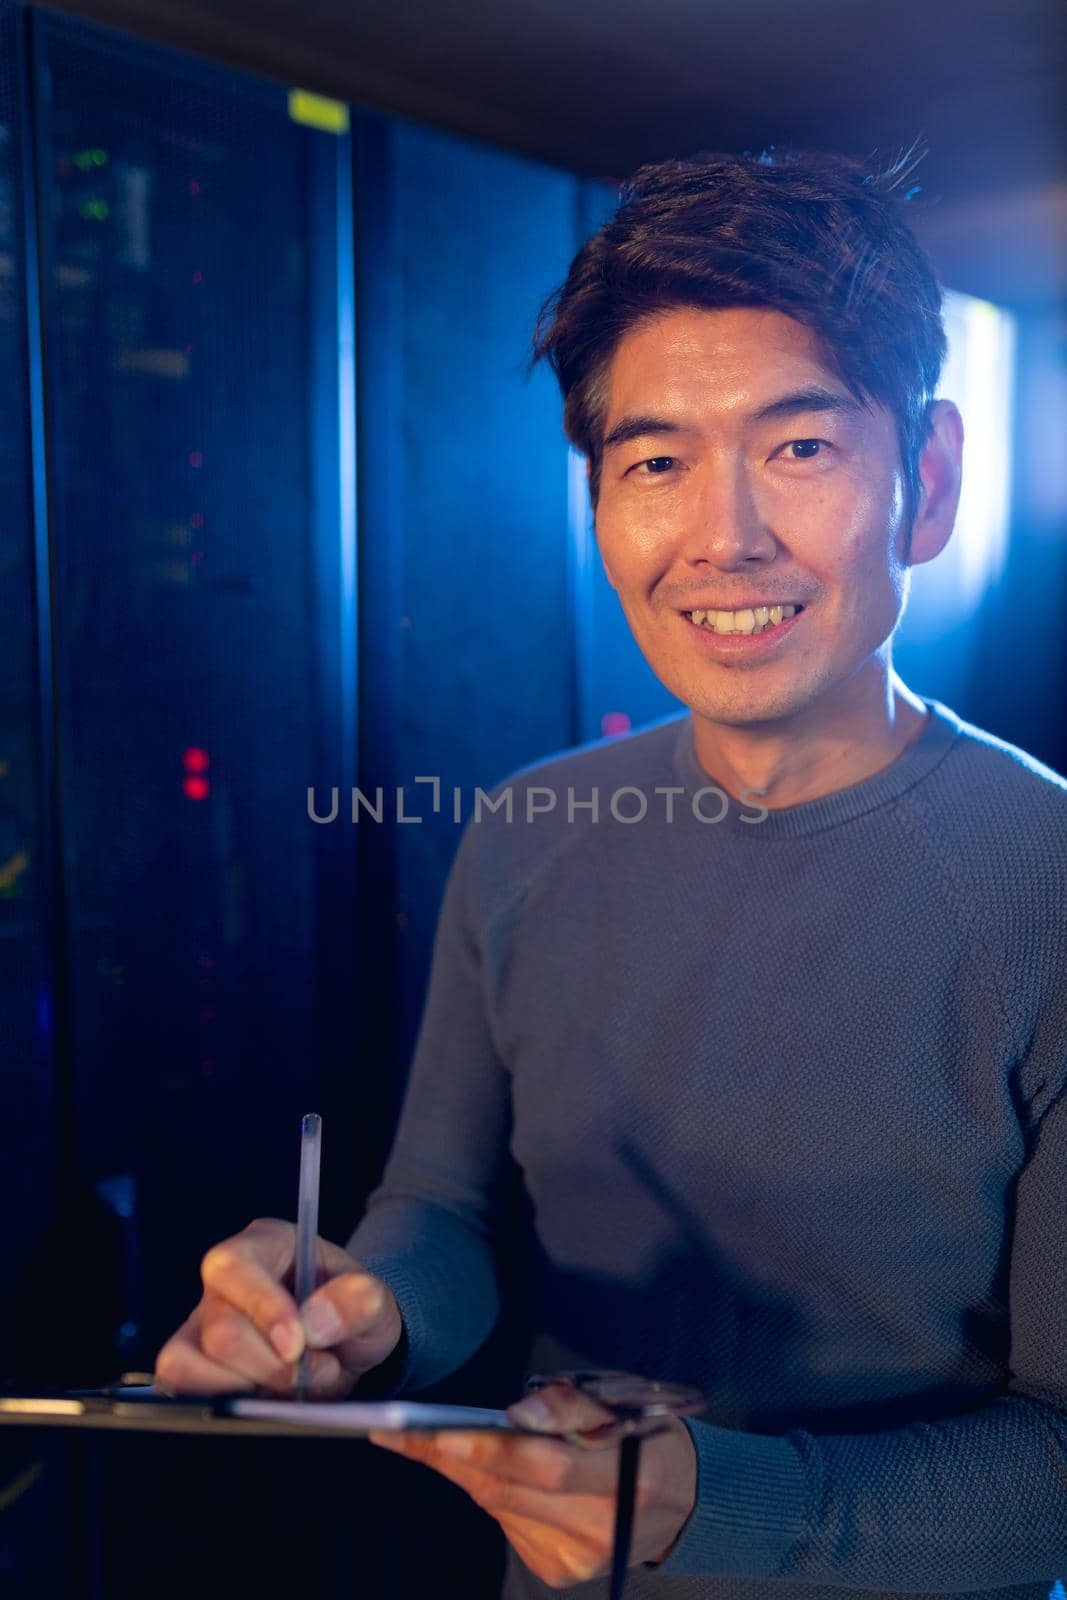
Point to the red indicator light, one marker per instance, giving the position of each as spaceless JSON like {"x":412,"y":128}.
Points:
{"x":194,"y":187}
{"x":196,"y":520}
{"x":195,"y":759}
{"x":195,"y":458}
{"x":198,"y":277}
{"x":613,"y":722}
{"x":196,"y":788}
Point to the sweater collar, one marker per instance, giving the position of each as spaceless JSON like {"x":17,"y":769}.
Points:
{"x":919,"y":758}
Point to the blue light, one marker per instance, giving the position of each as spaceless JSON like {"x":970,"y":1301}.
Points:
{"x":979,"y":377}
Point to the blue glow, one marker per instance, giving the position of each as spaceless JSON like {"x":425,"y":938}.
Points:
{"x":346,"y":444}
{"x":583,"y":575}
{"x":979,"y":377}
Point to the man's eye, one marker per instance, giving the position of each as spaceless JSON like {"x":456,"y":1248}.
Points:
{"x":806,"y":449}
{"x":657,"y":465}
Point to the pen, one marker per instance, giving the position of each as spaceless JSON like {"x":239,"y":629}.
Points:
{"x":307,"y":1228}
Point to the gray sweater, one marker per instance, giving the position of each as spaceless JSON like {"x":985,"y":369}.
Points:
{"x":772,"y":1104}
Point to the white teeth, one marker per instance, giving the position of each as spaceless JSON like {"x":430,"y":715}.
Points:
{"x":754,"y":620}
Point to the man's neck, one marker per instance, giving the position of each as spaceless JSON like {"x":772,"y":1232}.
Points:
{"x":825,"y":749}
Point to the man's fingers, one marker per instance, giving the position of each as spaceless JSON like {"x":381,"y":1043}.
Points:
{"x":230,"y":1339}
{"x":217,"y":1349}
{"x":183,"y":1368}
{"x":325,"y":1378}
{"x":559,"y":1408}
{"x":273,"y":1242}
{"x":542,"y":1465}
{"x":248,"y":1329}
{"x":240,"y":1271}
{"x":352,"y":1313}
{"x":587,"y":1519}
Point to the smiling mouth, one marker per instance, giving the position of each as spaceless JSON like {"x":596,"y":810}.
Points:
{"x":759,"y":619}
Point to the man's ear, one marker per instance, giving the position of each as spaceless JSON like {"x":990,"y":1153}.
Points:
{"x":940,"y":474}
{"x":589,"y":481}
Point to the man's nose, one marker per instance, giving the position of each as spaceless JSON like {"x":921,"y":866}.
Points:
{"x":726,"y":529}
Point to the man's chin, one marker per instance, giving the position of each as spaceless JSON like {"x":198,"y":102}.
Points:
{"x":733,"y":718}
{"x":755,"y":709}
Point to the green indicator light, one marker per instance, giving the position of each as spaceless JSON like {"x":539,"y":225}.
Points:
{"x":95,"y":211}
{"x":316,"y":111}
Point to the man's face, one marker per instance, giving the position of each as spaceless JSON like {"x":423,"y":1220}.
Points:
{"x":738,"y":472}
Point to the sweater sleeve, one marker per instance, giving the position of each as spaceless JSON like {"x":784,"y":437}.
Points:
{"x":968,"y":1502}
{"x":432,"y":1226}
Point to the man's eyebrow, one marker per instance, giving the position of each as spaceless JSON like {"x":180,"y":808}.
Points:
{"x":628,"y":428}
{"x":801,"y":400}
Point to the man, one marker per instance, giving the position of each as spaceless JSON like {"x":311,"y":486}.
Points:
{"x":756,"y":1061}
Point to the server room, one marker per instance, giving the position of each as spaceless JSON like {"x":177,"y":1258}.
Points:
{"x":456,"y":458}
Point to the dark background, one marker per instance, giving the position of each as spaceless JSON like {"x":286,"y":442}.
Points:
{"x":282,"y":509}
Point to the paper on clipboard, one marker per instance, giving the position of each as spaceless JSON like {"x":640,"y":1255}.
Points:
{"x":383,"y":1416}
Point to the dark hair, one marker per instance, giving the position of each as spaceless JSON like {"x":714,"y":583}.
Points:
{"x":811,"y":234}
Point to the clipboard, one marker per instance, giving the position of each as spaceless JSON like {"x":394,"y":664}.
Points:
{"x":141,"y":1408}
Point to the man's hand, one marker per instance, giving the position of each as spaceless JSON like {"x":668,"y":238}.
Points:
{"x":556,"y":1501}
{"x":247,"y":1331}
